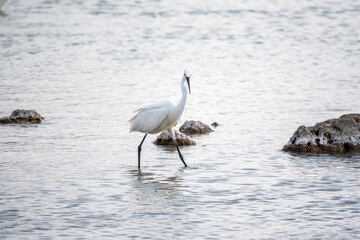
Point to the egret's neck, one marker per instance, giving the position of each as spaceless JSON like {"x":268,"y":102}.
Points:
{"x":180,"y":107}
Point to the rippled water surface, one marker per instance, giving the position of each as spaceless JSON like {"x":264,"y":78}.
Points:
{"x":260,"y":69}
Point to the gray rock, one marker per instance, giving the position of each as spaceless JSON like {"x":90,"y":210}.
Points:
{"x":165,"y":139}
{"x":195,"y":127}
{"x":334,"y":135}
{"x":22,"y":116}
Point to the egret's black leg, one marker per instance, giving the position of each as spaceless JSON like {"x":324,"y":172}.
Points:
{"x":172,"y":134}
{"x":180,"y":155}
{"x":139,"y":150}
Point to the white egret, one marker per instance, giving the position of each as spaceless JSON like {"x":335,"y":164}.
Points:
{"x":154,"y":118}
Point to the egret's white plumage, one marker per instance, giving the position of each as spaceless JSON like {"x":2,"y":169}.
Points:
{"x":149,"y":117}
{"x":164,"y":115}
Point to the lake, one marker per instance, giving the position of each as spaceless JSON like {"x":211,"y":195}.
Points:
{"x":260,"y":69}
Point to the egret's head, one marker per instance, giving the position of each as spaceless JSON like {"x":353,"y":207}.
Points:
{"x":187,"y":75}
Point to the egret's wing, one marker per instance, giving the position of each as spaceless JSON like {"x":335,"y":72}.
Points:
{"x":157,"y":105}
{"x":148,"y":119}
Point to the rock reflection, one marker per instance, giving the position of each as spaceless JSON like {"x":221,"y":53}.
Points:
{"x":324,"y":167}
{"x":172,"y":149}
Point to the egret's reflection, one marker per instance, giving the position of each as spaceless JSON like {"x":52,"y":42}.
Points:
{"x":159,"y":194}
{"x":151,"y":187}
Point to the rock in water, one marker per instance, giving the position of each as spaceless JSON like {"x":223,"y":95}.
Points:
{"x":215,"y":124}
{"x":334,"y":135}
{"x":165,"y":139}
{"x":22,"y":116}
{"x":195,"y":127}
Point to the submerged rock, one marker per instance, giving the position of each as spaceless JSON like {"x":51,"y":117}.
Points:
{"x":215,"y":124}
{"x":165,"y":139}
{"x":334,"y":135}
{"x":22,"y":116}
{"x":195,"y":127}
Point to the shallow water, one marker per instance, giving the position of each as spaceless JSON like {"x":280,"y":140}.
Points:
{"x":259,"y":68}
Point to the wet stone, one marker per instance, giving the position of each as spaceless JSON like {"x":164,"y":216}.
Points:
{"x":332,"y":136}
{"x":22,"y":116}
{"x":195,"y":127}
{"x":215,"y":124}
{"x":165,"y":139}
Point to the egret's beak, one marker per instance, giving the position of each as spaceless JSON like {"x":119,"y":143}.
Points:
{"x":188,"y":82}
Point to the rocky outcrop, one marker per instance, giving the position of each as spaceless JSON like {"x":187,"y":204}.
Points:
{"x":165,"y":139}
{"x":195,"y":127}
{"x":334,"y":135}
{"x":22,"y":116}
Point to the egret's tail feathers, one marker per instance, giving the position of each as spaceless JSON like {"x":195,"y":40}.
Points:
{"x":133,"y":119}
{"x":132,"y":125}
{"x":132,"y":130}
{"x":135,"y":116}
